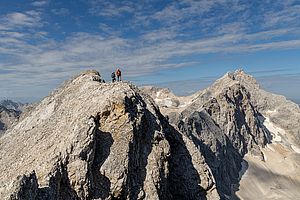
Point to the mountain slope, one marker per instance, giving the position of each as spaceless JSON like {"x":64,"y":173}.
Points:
{"x":234,"y":118}
{"x":226,"y":127}
{"x":277,"y":108}
{"x":92,"y":140}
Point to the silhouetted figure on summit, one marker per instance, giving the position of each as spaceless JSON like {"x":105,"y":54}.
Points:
{"x":113,"y":77}
{"x":118,"y":73}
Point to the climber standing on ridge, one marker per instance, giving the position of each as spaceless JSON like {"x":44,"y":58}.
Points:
{"x":113,"y":77}
{"x":118,"y":73}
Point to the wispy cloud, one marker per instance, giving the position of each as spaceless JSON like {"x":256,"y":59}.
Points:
{"x":110,"y":8}
{"x":84,"y":49}
{"x":39,"y":3}
{"x":287,"y":15}
{"x":143,"y":40}
{"x":19,"y":20}
{"x":61,"y":11}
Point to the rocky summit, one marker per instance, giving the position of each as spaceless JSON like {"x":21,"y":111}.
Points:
{"x":94,"y":140}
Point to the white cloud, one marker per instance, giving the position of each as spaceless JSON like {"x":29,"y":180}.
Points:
{"x":19,"y":20}
{"x":153,"y":49}
{"x":110,"y":8}
{"x":83,"y":49}
{"x":288,"y":15}
{"x":39,"y":3}
{"x":159,"y":35}
{"x":61,"y":11}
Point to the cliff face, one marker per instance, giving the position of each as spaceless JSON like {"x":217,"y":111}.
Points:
{"x":280,"y":111}
{"x":92,"y":140}
{"x":240,"y":128}
{"x":225,"y":127}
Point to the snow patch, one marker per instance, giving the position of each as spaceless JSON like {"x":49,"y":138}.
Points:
{"x":296,"y":149}
{"x":274,"y":129}
{"x":185,"y":104}
{"x":158,"y":93}
{"x":168,"y":103}
{"x":165,"y":102}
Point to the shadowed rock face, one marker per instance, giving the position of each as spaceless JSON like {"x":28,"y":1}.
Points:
{"x":225,"y":128}
{"x":232,"y":118}
{"x":92,"y":140}
{"x":7,"y":118}
{"x":281,"y":111}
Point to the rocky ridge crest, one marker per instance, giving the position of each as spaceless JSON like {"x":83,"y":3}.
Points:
{"x":92,"y":140}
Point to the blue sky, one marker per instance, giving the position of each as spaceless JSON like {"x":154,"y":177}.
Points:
{"x":183,"y":44}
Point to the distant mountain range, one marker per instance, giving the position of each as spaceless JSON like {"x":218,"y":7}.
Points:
{"x":9,"y":104}
{"x":9,"y":114}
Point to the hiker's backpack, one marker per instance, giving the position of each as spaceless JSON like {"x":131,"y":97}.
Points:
{"x":113,"y":75}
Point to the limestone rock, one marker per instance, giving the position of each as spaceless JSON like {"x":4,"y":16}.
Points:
{"x":225,"y":128}
{"x":25,"y":187}
{"x":93,"y":140}
{"x":283,"y":112}
{"x":234,"y":117}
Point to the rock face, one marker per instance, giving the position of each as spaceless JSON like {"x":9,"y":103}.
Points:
{"x":281,"y":111}
{"x":225,"y":127}
{"x":92,"y":140}
{"x":234,"y":117}
{"x":7,"y":118}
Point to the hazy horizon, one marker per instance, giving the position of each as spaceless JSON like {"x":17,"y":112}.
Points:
{"x":273,"y":83}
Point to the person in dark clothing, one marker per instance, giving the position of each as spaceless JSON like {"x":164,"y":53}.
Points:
{"x":113,"y":77}
{"x":118,"y":72}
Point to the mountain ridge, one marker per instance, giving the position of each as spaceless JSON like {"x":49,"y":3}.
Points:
{"x":114,"y":140}
{"x":279,"y":118}
{"x":117,"y":145}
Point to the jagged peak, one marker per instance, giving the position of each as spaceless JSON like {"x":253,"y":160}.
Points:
{"x":231,"y":78}
{"x":241,"y":76}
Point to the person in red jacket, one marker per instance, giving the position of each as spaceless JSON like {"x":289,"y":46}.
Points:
{"x":118,"y":73}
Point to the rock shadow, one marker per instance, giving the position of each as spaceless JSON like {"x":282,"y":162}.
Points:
{"x":221,"y":156}
{"x":59,"y":186}
{"x":183,"y":180}
{"x":2,"y":126}
{"x":140,"y":148}
{"x":100,"y":187}
{"x":268,"y":135}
